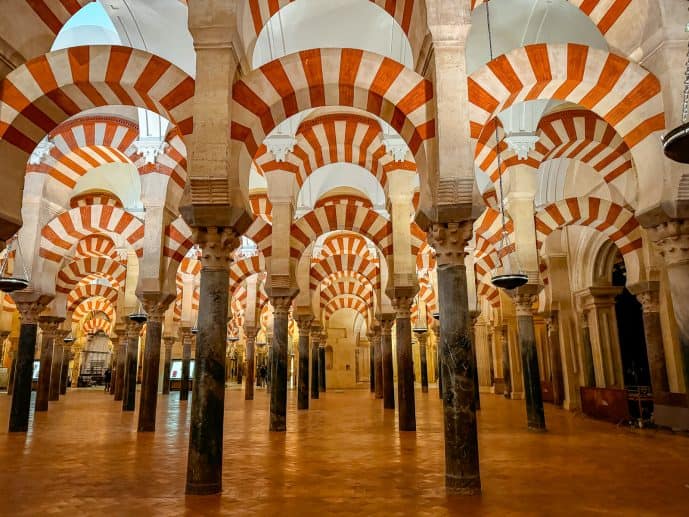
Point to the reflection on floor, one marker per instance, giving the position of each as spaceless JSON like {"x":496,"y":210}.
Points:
{"x":343,"y":456}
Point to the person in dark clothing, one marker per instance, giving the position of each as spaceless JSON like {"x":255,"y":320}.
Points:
{"x":107,"y":378}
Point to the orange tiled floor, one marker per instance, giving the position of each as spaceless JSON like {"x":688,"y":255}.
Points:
{"x":343,"y":457}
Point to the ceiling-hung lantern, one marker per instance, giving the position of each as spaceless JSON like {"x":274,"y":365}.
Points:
{"x":676,"y":142}
{"x":10,"y":283}
{"x":139,"y":316}
{"x":504,"y":277}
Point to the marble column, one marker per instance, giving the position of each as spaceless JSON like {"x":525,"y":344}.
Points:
{"x":378,"y":360}
{"x":131,"y":367}
{"x":457,"y":362}
{"x":278,"y":385}
{"x":439,"y":370}
{"x":49,"y":326}
{"x":4,"y":334}
{"x":315,"y":360}
{"x":120,"y":364}
{"x":206,"y":428}
{"x":504,"y":341}
{"x":304,"y":323}
{"x":406,"y":403}
{"x":371,"y":363}
{"x":14,"y":346}
{"x":155,"y":307}
{"x":250,"y":333}
{"x":648,"y":294}
{"x":115,"y":340}
{"x":21,"y":395}
{"x":552,"y":327}
{"x":524,"y":299}
{"x":672,"y":241}
{"x":66,"y":358}
{"x":422,"y":338}
{"x":588,"y":367}
{"x":167,"y":363}
{"x":322,"y":384}
{"x":56,"y":368}
{"x":187,"y":338}
{"x":386,"y":322}
{"x":473,"y":319}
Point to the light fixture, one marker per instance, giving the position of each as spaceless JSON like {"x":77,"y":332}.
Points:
{"x":436,"y":316}
{"x":507,"y":279}
{"x":676,"y":142}
{"x":69,"y":339}
{"x":11,"y":283}
{"x":139,"y":316}
{"x":233,"y":339}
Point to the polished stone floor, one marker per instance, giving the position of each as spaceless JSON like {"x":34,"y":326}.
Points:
{"x":343,"y":457}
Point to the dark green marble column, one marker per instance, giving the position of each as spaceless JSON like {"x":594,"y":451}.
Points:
{"x":49,"y":326}
{"x":167,"y":363}
{"x":130,"y":367}
{"x":206,"y":428}
{"x":457,"y":361}
{"x":386,"y":322}
{"x":149,"y":384}
{"x":21,"y":395}
{"x":535,"y":415}
{"x":304,"y":323}
{"x":187,"y":338}
{"x":315,"y":360}
{"x":406,"y":403}
{"x":278,"y":385}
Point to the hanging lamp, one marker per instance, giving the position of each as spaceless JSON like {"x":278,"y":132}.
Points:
{"x":507,"y":279}
{"x":139,"y":316}
{"x":68,"y":339}
{"x":676,"y":142}
{"x":11,"y":283}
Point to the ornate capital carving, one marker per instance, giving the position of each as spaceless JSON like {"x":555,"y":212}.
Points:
{"x":649,"y":300}
{"x":250,"y":333}
{"x":402,"y":305}
{"x":216,"y":246}
{"x":281,"y":305}
{"x":386,"y":323}
{"x":29,"y":311}
{"x":49,"y":325}
{"x":304,"y":322}
{"x":672,"y":240}
{"x":523,"y":303}
{"x":169,"y":342}
{"x":155,"y":305}
{"x":422,"y":338}
{"x":449,"y":241}
{"x":133,"y":330}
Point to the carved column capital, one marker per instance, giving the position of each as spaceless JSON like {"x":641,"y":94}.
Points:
{"x":250,"y":332}
{"x":402,"y":306}
{"x":649,"y":300}
{"x":422,"y":338}
{"x":386,"y":323}
{"x":155,"y":305}
{"x":185,"y":335}
{"x":523,"y":303}
{"x":281,"y":305}
{"x":449,"y":241}
{"x":29,"y":311}
{"x":216,"y":246}
{"x":672,"y":241}
{"x":304,"y":323}
{"x":169,"y":342}
{"x":133,"y":330}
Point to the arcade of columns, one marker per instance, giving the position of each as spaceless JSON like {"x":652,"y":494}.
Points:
{"x":208,"y":248}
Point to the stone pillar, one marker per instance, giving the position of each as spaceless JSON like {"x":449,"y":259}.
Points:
{"x":66,"y":358}
{"x":474,"y":315}
{"x":439,"y":370}
{"x":115,"y":340}
{"x":405,"y":362}
{"x":204,"y":465}
{"x":56,"y":368}
{"x":315,"y":360}
{"x":4,"y":334}
{"x":187,"y":337}
{"x":14,"y":346}
{"x":155,"y":306}
{"x":672,"y":241}
{"x":278,"y":386}
{"x":587,"y":367}
{"x":371,"y":363}
{"x":378,"y":360}
{"x":386,"y":322}
{"x":457,"y":362}
{"x":552,"y":326}
{"x":250,"y":333}
{"x":422,"y":337}
{"x":120,"y":363}
{"x":524,"y":299}
{"x":131,"y":367}
{"x":322,"y":384}
{"x":49,"y":326}
{"x":167,"y":363}
{"x":21,"y":395}
{"x":648,"y":294}
{"x":304,"y":322}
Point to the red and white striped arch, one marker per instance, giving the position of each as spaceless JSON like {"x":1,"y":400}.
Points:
{"x":43,"y":92}
{"x":78,"y":270}
{"x":95,"y":325}
{"x":96,"y":246}
{"x":339,"y":217}
{"x":261,"y":206}
{"x":84,"y":291}
{"x":336,"y":138}
{"x":261,"y":232}
{"x":575,"y":134}
{"x":346,"y":243}
{"x":346,"y":301}
{"x":242,"y":269}
{"x":344,"y":199}
{"x":67,"y":229}
{"x":333,"y":77}
{"x":345,"y":264}
{"x":614,"y":221}
{"x":621,"y":92}
{"x":425,"y":258}
{"x":7,"y":304}
{"x":603,"y":13}
{"x":346,"y":286}
{"x":177,"y":241}
{"x":93,"y":305}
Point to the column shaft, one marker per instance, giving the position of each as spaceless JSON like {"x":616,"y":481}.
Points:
{"x":149,"y":384}
{"x":405,"y":367}
{"x":322,"y":368}
{"x":303,"y":381}
{"x":388,"y":373}
{"x":130,"y":369}
{"x":424,"y":366}
{"x":250,"y":364}
{"x":378,"y":355}
{"x":186,"y":364}
{"x":21,"y":394}
{"x":315,"y":367}
{"x":64,"y":377}
{"x":43,"y":389}
{"x":55,"y":372}
{"x":278,"y":385}
{"x":372,"y":367}
{"x":167,"y":364}
{"x":120,"y":358}
{"x":535,"y":415}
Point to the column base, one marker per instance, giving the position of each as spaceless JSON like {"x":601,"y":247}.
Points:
{"x":463,"y":486}
{"x":203,"y":489}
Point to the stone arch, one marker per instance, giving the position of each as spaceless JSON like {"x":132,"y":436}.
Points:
{"x":346,"y":302}
{"x":85,"y":291}
{"x":73,"y":272}
{"x":96,"y":305}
